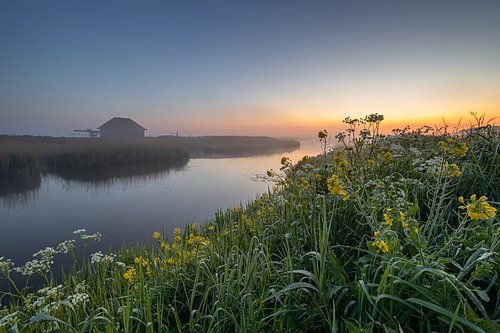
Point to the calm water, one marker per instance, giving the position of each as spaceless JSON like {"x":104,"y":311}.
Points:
{"x":127,"y":209}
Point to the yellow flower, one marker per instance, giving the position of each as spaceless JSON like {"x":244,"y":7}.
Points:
{"x":129,"y":275}
{"x":460,"y":150}
{"x":149,"y":271}
{"x":388,"y":219}
{"x":454,"y":170}
{"x":170,"y":261}
{"x":387,"y":156}
{"x":376,"y":233}
{"x":178,"y":238}
{"x":211,"y":228}
{"x":461,"y":199}
{"x":156,"y":235}
{"x":336,"y":188}
{"x":383,"y":246}
{"x":370,"y":162}
{"x":405,"y":225}
{"x":443,"y":146}
{"x":138,"y":260}
{"x":194,"y":226}
{"x":177,"y":231}
{"x":478,"y":209}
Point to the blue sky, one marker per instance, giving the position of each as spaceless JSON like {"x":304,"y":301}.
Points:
{"x":257,"y":67}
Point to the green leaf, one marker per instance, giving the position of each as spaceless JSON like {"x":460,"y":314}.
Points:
{"x":444,"y":312}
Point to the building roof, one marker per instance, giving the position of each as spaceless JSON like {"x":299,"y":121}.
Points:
{"x":119,"y":121}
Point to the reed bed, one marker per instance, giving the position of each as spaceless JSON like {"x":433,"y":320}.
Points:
{"x":35,"y":154}
{"x":387,"y":234}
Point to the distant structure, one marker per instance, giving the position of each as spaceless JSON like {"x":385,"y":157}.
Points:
{"x":90,"y":132}
{"x":118,"y":127}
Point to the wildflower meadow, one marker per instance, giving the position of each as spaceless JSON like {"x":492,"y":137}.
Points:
{"x":378,"y":233}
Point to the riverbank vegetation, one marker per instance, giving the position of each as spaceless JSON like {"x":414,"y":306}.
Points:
{"x":22,"y":154}
{"x":30,"y":154}
{"x":394,"y":233}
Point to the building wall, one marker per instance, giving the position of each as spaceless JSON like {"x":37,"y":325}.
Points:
{"x":121,"y":132}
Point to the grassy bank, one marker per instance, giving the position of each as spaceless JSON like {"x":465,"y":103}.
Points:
{"x":389,"y":234}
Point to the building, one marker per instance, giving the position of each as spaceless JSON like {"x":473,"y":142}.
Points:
{"x":121,"y":128}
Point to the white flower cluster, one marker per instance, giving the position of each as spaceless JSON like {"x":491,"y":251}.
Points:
{"x":91,"y":237}
{"x":415,"y":152}
{"x":41,"y":265}
{"x":66,"y":246}
{"x":5,"y":265}
{"x":433,"y":165}
{"x":79,"y":231}
{"x":9,"y":320}
{"x":98,"y":257}
{"x":50,"y":299}
{"x":397,"y":149}
{"x":80,"y":296}
{"x":46,"y":299}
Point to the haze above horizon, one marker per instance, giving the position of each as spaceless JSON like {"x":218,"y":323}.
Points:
{"x":278,"y":68}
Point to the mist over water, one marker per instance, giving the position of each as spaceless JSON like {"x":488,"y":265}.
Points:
{"x":127,"y":204}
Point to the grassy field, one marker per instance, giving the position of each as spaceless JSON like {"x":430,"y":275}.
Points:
{"x":386,"y":234}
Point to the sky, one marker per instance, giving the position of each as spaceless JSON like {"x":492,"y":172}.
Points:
{"x":279,"y":68}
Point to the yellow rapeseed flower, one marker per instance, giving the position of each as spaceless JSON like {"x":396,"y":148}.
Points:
{"x":129,"y":275}
{"x":454,"y":170}
{"x":211,"y":228}
{"x":387,"y":156}
{"x":460,"y":150}
{"x":383,"y":246}
{"x":178,"y":238}
{"x":138,"y":259}
{"x":478,"y":209}
{"x":177,"y":231}
{"x":156,"y":235}
{"x":388,"y":219}
{"x":336,"y":188}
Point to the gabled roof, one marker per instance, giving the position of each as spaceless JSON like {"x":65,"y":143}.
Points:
{"x":119,"y":121}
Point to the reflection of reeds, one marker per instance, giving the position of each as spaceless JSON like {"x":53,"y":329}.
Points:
{"x":19,"y":189}
{"x":122,"y":177}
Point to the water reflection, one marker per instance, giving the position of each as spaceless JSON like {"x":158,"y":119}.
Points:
{"x":19,"y":189}
{"x":118,"y":177}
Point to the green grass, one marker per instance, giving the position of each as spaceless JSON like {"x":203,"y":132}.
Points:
{"x":382,"y":247}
